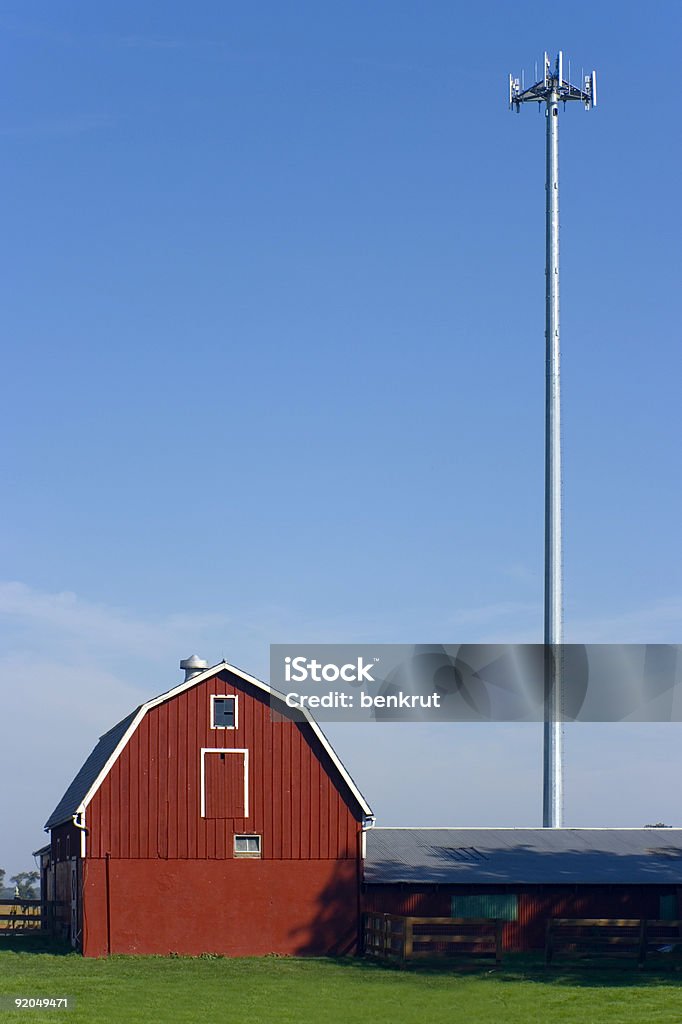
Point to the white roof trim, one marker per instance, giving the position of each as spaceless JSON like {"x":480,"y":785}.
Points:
{"x":201,"y":677}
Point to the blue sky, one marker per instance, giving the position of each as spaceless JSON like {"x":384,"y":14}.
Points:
{"x":272,"y":289}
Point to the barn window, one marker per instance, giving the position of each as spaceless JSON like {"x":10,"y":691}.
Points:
{"x":223,"y":712}
{"x":247,"y":846}
{"x":500,"y":905}
{"x":224,"y":783}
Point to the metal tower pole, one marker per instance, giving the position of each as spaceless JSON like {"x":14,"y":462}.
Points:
{"x":552,"y":89}
{"x":552,"y":769}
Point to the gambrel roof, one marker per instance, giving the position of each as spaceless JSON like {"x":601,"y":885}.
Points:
{"x":98,"y":765}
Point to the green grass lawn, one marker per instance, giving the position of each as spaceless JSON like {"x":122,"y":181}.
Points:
{"x":298,"y":991}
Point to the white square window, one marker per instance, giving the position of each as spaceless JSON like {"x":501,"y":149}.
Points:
{"x":247,"y":846}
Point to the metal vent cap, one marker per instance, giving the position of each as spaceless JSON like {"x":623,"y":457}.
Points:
{"x":193,"y":666}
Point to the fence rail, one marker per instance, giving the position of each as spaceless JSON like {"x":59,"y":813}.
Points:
{"x":408,"y":938}
{"x":19,"y":915}
{"x":612,"y":937}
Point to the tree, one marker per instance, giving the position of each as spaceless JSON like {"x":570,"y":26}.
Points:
{"x":25,"y":882}
{"x":2,"y":880}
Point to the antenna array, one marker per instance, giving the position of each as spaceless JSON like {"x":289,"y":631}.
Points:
{"x":551,"y":84}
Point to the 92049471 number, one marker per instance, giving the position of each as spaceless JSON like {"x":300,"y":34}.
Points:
{"x":36,"y":1003}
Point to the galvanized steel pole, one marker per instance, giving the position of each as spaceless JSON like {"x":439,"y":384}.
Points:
{"x":551,"y":90}
{"x":552,"y":775}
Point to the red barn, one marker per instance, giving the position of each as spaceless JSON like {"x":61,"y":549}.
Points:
{"x":209,"y":820}
{"x":212,"y":820}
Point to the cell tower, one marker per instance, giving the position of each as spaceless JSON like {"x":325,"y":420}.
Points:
{"x":552,"y":89}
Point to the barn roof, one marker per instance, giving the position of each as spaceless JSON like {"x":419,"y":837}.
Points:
{"x":485,"y":856}
{"x":103,"y":757}
{"x":77,"y":792}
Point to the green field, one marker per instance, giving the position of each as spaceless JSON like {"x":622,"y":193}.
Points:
{"x":295,"y":991}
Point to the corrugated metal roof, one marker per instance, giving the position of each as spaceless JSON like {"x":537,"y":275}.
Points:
{"x":483,"y":856}
{"x":78,"y":790}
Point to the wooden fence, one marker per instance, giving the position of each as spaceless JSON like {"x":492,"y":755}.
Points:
{"x":19,"y":915}
{"x":405,"y":938}
{"x":636,"y":938}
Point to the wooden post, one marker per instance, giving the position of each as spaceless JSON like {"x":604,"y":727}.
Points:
{"x":642,"y":942}
{"x":408,"y":941}
{"x":548,"y":942}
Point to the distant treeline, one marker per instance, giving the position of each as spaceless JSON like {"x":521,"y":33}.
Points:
{"x":26,"y":882}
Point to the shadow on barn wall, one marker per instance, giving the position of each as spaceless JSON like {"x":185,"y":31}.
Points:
{"x":334,"y":927}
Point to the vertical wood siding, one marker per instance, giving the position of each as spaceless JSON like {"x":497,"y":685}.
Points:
{"x":536,"y":904}
{"x":65,"y":842}
{"x":149,"y":806}
{"x":224,"y":785}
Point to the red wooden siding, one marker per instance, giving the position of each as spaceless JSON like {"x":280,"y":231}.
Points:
{"x":149,"y":806}
{"x":536,"y":904}
{"x":224,"y":784}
